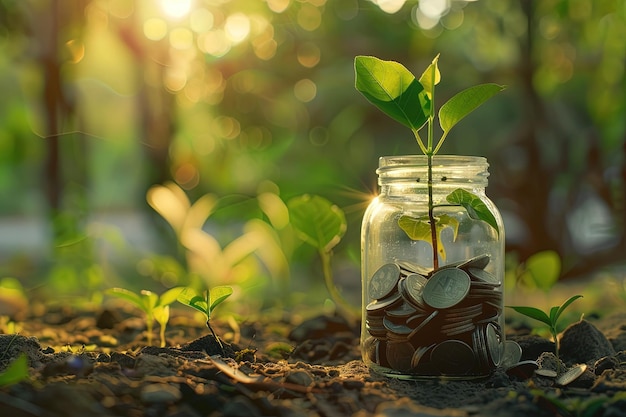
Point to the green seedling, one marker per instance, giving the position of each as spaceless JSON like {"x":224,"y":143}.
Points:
{"x":394,"y":90}
{"x":205,"y":302}
{"x":321,"y":224}
{"x":154,"y":307}
{"x":550,"y":319}
{"x":16,"y":372}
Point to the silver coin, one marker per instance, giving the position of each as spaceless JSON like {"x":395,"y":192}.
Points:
{"x":397,"y":329}
{"x":413,"y":268}
{"x":378,"y":307}
{"x":446,"y":288}
{"x":483,"y":276}
{"x":384,"y":281}
{"x":571,"y":375}
{"x":512,"y":354}
{"x":414,"y":285}
{"x":547,"y":373}
{"x":493,"y":344}
{"x":404,"y":310}
{"x":480,"y":262}
{"x":453,"y":357}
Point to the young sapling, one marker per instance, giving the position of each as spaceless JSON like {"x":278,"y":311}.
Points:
{"x":321,"y":224}
{"x":154,"y":307}
{"x":550,"y":319}
{"x":394,"y":90}
{"x":205,"y":302}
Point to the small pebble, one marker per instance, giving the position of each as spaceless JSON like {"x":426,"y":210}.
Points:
{"x":160,"y":394}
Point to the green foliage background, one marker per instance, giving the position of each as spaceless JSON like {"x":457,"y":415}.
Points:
{"x":103,"y":99}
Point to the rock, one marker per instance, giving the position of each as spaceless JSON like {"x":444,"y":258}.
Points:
{"x":160,"y":394}
{"x":533,"y":346}
{"x":108,"y":319}
{"x":582,"y":342}
{"x":319,"y":327}
{"x":300,"y":377}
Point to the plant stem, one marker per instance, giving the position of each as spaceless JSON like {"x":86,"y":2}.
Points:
{"x":431,"y":216}
{"x":217,"y":339}
{"x":343,"y":305}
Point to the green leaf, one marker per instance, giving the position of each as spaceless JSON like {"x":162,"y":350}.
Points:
{"x":162,"y":314}
{"x":149,"y":300}
{"x":169,"y":296}
{"x":543,"y":268}
{"x":464,"y":103}
{"x":217,"y":295}
{"x":565,"y":305}
{"x":128,"y":295}
{"x":317,"y":221}
{"x":533,"y":313}
{"x":426,"y":80}
{"x":191,"y":297}
{"x":393,"y":89}
{"x":419,"y":229}
{"x":474,"y":206}
{"x":17,"y":371}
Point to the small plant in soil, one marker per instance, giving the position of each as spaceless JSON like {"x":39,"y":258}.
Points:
{"x":393,"y":89}
{"x":551,"y":318}
{"x":155,"y":307}
{"x":205,"y":302}
{"x":321,"y":224}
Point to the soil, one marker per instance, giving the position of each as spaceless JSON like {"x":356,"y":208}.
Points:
{"x":97,"y":363}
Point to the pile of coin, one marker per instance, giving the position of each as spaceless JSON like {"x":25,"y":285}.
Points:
{"x":443,"y":322}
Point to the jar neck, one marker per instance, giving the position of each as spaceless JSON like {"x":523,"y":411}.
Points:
{"x":408,"y":174}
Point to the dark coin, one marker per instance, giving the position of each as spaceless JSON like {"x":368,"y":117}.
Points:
{"x":400,"y":355}
{"x":522,"y":370}
{"x":384,"y":281}
{"x":446,"y":288}
{"x":453,"y":357}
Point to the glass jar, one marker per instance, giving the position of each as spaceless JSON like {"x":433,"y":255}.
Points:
{"x":427,"y":315}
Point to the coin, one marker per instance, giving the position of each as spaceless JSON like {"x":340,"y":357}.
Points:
{"x":384,"y":281}
{"x":493,"y":344}
{"x":400,"y":355}
{"x":483,"y":276}
{"x":378,"y":307}
{"x":413,"y":268}
{"x":395,"y":328}
{"x":404,"y":310}
{"x":523,"y":369}
{"x":547,"y":373}
{"x":571,"y":375}
{"x":480,"y":262}
{"x":512,"y":353}
{"x":453,"y":357}
{"x":446,"y":288}
{"x":424,"y":322}
{"x":414,"y":286}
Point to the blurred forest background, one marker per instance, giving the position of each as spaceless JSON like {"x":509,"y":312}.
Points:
{"x":241,"y":105}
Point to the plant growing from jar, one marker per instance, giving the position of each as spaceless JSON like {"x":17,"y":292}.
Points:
{"x":430,"y":308}
{"x":393,"y":89}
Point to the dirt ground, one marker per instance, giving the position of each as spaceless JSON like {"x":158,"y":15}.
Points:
{"x":97,"y":363}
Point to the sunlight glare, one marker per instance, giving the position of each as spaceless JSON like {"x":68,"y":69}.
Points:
{"x":389,"y":6}
{"x":237,"y":27}
{"x":434,"y":9}
{"x":155,"y":29}
{"x":176,"y":9}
